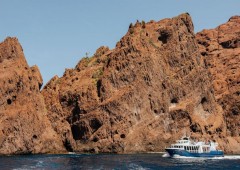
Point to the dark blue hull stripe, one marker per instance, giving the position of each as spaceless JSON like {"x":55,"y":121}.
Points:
{"x":173,"y":152}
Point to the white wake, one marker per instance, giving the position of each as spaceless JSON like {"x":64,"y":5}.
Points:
{"x":228,"y":157}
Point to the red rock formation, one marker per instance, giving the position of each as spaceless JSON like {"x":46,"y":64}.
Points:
{"x":220,"y":48}
{"x":158,"y":83}
{"x":24,"y":127}
{"x":140,"y":96}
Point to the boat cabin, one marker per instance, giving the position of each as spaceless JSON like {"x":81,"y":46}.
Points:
{"x":193,"y":147}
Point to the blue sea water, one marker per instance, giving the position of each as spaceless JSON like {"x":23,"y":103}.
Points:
{"x":116,"y":162}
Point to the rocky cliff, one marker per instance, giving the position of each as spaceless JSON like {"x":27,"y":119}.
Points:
{"x":159,"y":82}
{"x":220,"y":49}
{"x":139,"y":97}
{"x":24,"y":126}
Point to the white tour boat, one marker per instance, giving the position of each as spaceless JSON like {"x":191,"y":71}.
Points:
{"x":188,"y":148}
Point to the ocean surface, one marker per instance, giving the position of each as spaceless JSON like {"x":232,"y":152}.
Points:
{"x":113,"y":161}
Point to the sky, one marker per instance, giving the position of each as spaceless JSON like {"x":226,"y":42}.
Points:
{"x":56,"y":34}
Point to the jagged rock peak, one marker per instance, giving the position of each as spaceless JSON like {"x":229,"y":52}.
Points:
{"x":24,"y":126}
{"x":234,"y":18}
{"x":139,"y":95}
{"x":10,"y":49}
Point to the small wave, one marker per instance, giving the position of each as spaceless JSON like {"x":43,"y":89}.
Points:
{"x":165,"y":155}
{"x":228,"y":157}
{"x":136,"y":166}
{"x":39,"y":164}
{"x":156,"y":152}
{"x":27,"y":168}
{"x":71,"y":153}
{"x":178,"y":156}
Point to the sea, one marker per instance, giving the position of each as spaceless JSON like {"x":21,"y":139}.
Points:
{"x":116,"y":162}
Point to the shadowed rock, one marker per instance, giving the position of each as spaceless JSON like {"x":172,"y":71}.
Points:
{"x":24,"y":126}
{"x":141,"y":95}
{"x":220,"y":48}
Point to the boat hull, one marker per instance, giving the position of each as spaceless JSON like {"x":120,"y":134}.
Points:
{"x":172,"y":152}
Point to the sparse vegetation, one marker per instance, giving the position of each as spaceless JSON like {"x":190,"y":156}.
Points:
{"x":97,"y":75}
{"x":151,"y":42}
{"x":86,"y":60}
{"x":131,"y":25}
{"x":131,"y":30}
{"x":143,"y":24}
{"x":98,"y":60}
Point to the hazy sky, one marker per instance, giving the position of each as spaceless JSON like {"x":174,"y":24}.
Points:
{"x":56,"y":34}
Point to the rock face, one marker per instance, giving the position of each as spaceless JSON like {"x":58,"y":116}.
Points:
{"x":24,"y":126}
{"x":220,"y":48}
{"x":160,"y":82}
{"x":140,"y":96}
